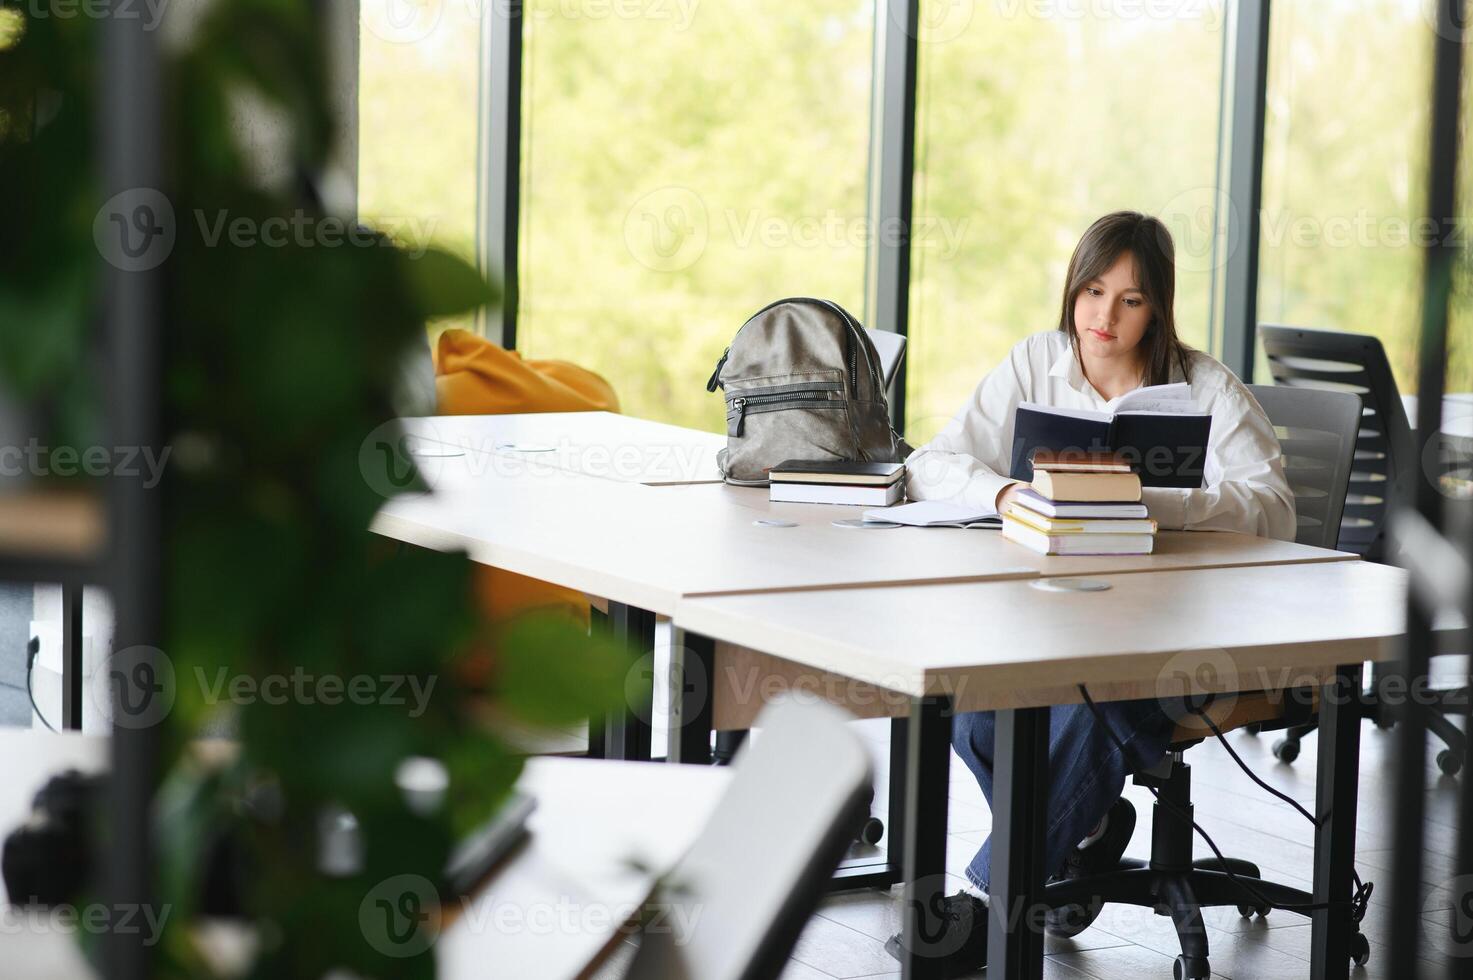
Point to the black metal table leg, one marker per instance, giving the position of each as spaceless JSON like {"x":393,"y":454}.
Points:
{"x":692,"y":663}
{"x":71,"y":656}
{"x":1019,"y":819}
{"x":928,"y":759}
{"x":627,"y":733}
{"x":599,"y":623}
{"x":1336,"y":790}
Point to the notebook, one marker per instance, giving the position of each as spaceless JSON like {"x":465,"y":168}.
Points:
{"x":1034,"y":500}
{"x":1159,"y":429}
{"x":836,"y":471}
{"x":937,"y":513}
{"x":827,"y":493}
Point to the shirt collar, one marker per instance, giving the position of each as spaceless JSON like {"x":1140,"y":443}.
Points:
{"x":1066,"y":366}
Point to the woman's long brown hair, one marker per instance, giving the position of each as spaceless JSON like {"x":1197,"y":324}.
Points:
{"x":1149,"y":243}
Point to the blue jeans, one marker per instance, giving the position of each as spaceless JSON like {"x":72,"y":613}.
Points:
{"x":1086,"y":772}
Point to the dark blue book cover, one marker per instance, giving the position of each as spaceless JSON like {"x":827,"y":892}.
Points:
{"x":1166,"y":450}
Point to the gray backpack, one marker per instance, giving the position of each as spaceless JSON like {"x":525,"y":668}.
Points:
{"x":802,"y":381}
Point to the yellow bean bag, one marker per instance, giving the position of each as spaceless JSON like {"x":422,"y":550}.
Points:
{"x":476,"y":377}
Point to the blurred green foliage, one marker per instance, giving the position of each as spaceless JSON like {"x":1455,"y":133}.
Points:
{"x":280,"y":357}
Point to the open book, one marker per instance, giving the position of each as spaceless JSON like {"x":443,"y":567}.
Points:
{"x":937,"y":513}
{"x":1159,"y":429}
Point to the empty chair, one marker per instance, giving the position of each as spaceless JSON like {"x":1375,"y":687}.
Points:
{"x":1317,"y":432}
{"x":891,"y":347}
{"x":1354,"y":363}
{"x":802,"y":789}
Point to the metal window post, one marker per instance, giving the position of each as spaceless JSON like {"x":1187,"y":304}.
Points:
{"x":891,"y":170}
{"x":1245,"y":185}
{"x":499,"y":160}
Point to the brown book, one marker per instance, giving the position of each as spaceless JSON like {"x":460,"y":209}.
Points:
{"x":1088,"y":487}
{"x":1079,"y":461}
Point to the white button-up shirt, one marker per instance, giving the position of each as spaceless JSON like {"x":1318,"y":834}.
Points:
{"x":1245,"y":489}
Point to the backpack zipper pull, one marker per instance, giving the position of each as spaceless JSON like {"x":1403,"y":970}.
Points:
{"x":716,"y":374}
{"x":734,"y":422}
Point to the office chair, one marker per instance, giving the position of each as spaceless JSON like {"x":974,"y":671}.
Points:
{"x":760,"y":868}
{"x":1385,"y":459}
{"x":1318,"y":432}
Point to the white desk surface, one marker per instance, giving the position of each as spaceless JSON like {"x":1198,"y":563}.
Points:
{"x":1010,"y":642}
{"x":601,"y":444}
{"x":558,"y":906}
{"x":649,"y":546}
{"x":554,"y":908}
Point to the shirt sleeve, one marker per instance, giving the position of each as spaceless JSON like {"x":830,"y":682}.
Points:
{"x":969,"y":460}
{"x":1246,"y":489}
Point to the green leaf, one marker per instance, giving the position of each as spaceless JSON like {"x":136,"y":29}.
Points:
{"x":446,"y":284}
{"x":552,"y":672}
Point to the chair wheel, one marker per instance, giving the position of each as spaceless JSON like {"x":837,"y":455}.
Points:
{"x":872,"y":831}
{"x":1253,"y":729}
{"x":1249,"y":911}
{"x":1360,"y":949}
{"x":1191,"y":968}
{"x":1286,"y":750}
{"x":1449,"y":762}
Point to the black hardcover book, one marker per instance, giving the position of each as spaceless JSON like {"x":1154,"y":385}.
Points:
{"x":1166,"y":449}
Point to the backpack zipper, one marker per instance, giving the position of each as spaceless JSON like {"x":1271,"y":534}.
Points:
{"x":778,"y":398}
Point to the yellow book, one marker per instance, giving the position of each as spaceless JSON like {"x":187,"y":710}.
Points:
{"x":1122,"y":487}
{"x":1076,"y":525}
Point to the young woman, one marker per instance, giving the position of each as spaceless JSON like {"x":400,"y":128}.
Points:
{"x":1116,"y":333}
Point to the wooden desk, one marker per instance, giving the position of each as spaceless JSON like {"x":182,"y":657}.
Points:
{"x":599,"y":444}
{"x":1011,"y":646}
{"x":557,"y":907}
{"x":649,"y":547}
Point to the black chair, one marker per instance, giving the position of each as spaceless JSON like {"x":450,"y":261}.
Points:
{"x":1317,"y":430}
{"x":1386,"y":457}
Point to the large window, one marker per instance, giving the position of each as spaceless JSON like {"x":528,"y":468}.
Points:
{"x":1344,"y":173}
{"x":1033,"y":119}
{"x":418,"y":122}
{"x":682,"y":165}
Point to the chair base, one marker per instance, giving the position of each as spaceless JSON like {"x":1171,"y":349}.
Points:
{"x":1174,"y":884}
{"x":1452,"y":701}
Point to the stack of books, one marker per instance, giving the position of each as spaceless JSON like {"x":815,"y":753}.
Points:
{"x":1080,"y":504}
{"x":832,"y":481}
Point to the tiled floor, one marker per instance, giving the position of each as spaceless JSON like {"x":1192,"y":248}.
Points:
{"x":845,"y":939}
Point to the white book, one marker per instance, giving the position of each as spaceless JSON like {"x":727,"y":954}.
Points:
{"x":1036,"y":501}
{"x":1077,"y":544}
{"x":938,"y":513}
{"x":823,"y":493}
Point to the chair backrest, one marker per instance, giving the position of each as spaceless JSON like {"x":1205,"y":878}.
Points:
{"x":891,"y":346}
{"x":744,"y":891}
{"x":1354,"y":363}
{"x":1317,"y":431}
